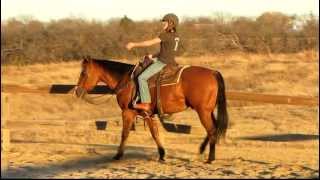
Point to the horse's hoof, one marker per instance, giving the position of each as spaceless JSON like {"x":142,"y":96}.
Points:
{"x":117,"y":157}
{"x":161,"y":160}
{"x":208,"y":162}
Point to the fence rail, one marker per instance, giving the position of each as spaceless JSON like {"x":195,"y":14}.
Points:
{"x":98,"y":137}
{"x":274,"y":99}
{"x":231,"y":95}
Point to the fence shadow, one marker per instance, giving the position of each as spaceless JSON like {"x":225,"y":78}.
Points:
{"x":282,"y":137}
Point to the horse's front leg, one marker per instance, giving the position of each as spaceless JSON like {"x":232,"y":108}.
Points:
{"x":155,"y":134}
{"x":128,"y":117}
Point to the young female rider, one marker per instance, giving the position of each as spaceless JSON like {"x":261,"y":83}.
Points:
{"x":169,"y":42}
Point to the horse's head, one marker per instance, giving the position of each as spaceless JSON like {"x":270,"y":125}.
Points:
{"x":88,"y":79}
{"x":106,"y":71}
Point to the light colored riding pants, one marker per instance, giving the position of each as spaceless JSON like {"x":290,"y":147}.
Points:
{"x":143,"y":80}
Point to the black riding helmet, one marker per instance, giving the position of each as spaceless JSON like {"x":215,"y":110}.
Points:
{"x":172,"y":19}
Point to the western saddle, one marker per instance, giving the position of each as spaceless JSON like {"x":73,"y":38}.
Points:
{"x":169,"y":75}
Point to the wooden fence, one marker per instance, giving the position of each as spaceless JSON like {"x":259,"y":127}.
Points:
{"x":66,"y":89}
{"x":231,"y":95}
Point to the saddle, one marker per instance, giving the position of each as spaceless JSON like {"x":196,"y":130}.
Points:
{"x":169,"y":75}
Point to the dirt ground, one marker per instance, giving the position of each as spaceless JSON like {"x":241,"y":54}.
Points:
{"x":263,"y":140}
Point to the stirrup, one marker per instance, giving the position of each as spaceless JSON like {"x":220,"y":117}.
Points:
{"x":146,"y":113}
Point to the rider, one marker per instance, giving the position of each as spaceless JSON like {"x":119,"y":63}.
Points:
{"x":169,"y":42}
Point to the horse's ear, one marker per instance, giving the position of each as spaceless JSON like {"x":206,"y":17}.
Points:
{"x":86,"y":59}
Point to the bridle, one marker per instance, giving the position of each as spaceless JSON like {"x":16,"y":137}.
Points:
{"x":83,"y":92}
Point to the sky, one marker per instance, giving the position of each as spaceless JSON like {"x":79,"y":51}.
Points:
{"x":103,"y":10}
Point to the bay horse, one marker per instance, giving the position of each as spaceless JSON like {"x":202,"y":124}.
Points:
{"x":200,"y":88}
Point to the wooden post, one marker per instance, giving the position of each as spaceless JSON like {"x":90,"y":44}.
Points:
{"x":5,"y":136}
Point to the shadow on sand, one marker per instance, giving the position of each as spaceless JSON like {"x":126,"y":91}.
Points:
{"x":93,"y":160}
{"x":282,"y":137}
{"x":104,"y":160}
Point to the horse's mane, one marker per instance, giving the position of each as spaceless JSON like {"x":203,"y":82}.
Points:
{"x":114,"y":66}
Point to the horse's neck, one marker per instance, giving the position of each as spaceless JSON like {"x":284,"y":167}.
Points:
{"x":124,"y":80}
{"x":113,"y":80}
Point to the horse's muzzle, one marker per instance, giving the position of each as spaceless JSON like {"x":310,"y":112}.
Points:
{"x":79,"y":92}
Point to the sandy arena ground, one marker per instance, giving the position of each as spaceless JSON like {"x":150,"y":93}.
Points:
{"x":263,"y":141}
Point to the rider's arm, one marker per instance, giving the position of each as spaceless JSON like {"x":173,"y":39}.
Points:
{"x":147,"y":43}
{"x":155,"y":55}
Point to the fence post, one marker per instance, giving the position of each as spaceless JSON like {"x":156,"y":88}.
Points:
{"x":5,"y":136}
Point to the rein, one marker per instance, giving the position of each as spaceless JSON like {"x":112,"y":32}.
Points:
{"x":120,"y":86}
{"x":91,"y":101}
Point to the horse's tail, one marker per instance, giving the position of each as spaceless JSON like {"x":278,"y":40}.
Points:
{"x":222,"y":116}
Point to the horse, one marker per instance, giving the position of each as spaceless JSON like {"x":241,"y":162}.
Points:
{"x":199,"y":88}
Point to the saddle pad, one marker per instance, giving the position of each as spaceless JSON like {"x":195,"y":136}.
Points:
{"x":168,"y":76}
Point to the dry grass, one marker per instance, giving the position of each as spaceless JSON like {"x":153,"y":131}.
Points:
{"x":286,"y":74}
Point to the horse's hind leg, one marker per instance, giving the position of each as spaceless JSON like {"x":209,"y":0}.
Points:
{"x":155,"y":134}
{"x":203,"y":145}
{"x":128,"y":117}
{"x":213,"y":140}
{"x":205,"y":116}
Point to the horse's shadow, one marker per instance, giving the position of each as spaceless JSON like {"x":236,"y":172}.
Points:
{"x":104,"y":160}
{"x":281,"y":137}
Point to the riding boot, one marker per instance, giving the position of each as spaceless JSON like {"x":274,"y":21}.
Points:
{"x":143,"y":106}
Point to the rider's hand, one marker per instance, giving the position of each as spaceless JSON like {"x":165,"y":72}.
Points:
{"x":130,"y":45}
{"x":150,"y":56}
